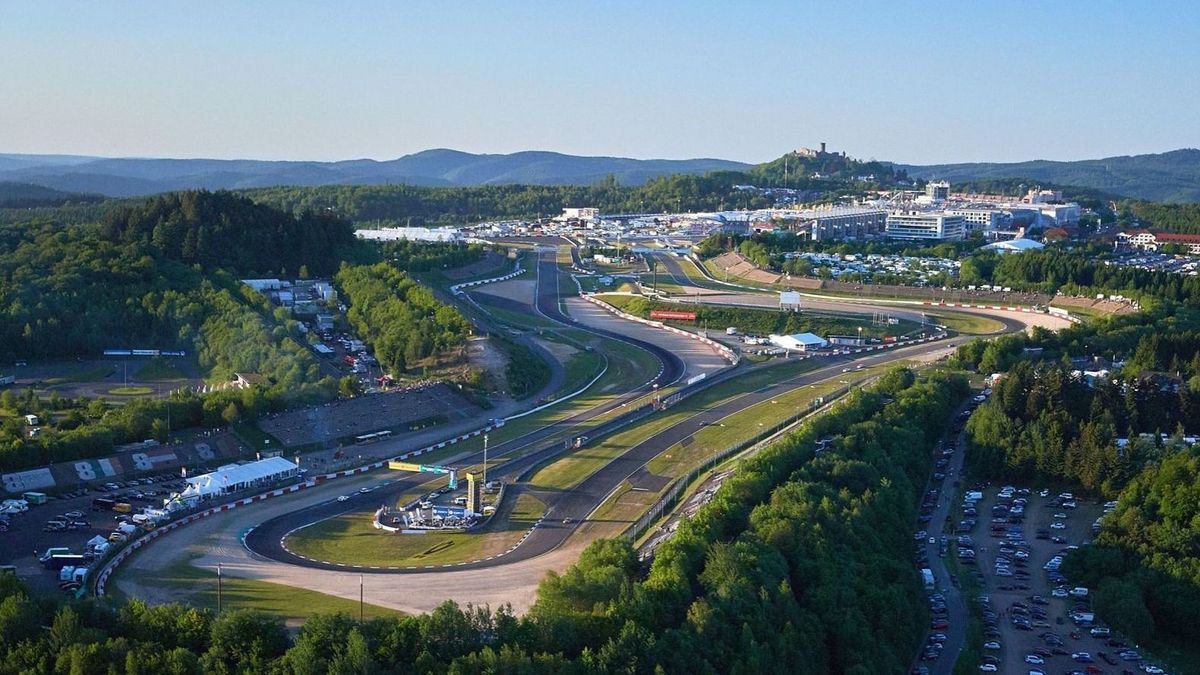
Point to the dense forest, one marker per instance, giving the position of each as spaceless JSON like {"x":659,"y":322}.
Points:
{"x":1182,"y":218}
{"x":800,"y":563}
{"x":398,"y":317}
{"x":220,"y":229}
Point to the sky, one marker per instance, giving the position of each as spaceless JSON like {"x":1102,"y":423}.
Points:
{"x":914,"y":82}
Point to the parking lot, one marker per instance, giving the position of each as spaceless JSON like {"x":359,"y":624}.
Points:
{"x":30,"y":534}
{"x":1035,"y":620}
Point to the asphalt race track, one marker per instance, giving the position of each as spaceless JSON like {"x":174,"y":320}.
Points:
{"x":565,"y":510}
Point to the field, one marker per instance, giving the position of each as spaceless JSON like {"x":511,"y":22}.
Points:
{"x":286,"y":602}
{"x":131,"y":391}
{"x":351,"y":539}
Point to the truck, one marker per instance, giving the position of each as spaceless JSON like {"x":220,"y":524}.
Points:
{"x":61,"y":560}
{"x":35,"y":497}
{"x":122,"y":507}
{"x":7,"y":379}
{"x":51,"y":552}
{"x":927,"y":577}
{"x":974,"y":495}
{"x":103,"y":504}
{"x":72,"y":573}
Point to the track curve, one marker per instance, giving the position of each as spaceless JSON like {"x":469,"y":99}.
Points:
{"x":565,"y":510}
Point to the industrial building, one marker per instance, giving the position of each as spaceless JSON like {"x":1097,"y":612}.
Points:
{"x":836,"y":222}
{"x":925,"y":225}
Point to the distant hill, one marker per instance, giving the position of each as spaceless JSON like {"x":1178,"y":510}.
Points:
{"x":1167,"y":177}
{"x":127,"y":177}
{"x":27,"y":195}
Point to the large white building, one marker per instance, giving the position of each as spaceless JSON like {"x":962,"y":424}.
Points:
{"x":982,"y":219}
{"x":925,"y":225}
{"x":837,"y":222}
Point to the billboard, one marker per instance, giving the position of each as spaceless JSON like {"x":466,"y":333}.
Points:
{"x":403,"y":466}
{"x":672,"y":316}
{"x":789,"y":299}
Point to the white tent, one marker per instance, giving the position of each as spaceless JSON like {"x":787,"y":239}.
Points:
{"x":800,"y":342}
{"x":234,"y":477}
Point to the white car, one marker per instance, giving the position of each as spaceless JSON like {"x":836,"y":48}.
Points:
{"x":1058,"y":525}
{"x":1061,"y":516}
{"x":1059,"y":593}
{"x":343,"y":498}
{"x":988,"y":668}
{"x":1034,"y":659}
{"x":1153,"y":670}
{"x":992,"y":644}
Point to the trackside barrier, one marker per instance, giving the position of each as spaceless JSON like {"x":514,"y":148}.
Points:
{"x":133,"y":546}
{"x":671,"y":496}
{"x":721,"y":349}
{"x":1062,"y":314}
{"x":517,"y":271}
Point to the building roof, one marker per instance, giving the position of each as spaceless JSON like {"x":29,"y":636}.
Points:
{"x":236,"y":474}
{"x":1016,"y":245}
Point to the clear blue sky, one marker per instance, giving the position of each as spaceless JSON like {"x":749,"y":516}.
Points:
{"x":915,"y":82}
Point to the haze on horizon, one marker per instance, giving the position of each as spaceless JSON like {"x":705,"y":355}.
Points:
{"x":908,"y":82}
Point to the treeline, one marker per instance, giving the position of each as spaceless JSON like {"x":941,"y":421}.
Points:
{"x":75,"y":429}
{"x":415,"y":256}
{"x":800,"y":563}
{"x":526,"y":372}
{"x":221,"y":229}
{"x":1181,"y":218}
{"x":401,"y":320}
{"x":415,"y":205}
{"x":755,"y":321}
{"x":1040,"y":423}
{"x":767,"y":249}
{"x":1145,"y":565}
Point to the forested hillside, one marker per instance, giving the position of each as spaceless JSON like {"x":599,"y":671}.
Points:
{"x":219,"y":229}
{"x":163,"y":274}
{"x":1167,"y":177}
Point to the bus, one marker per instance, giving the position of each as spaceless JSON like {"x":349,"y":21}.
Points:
{"x":371,"y":438}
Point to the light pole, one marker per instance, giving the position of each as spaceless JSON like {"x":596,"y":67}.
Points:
{"x":218,"y":589}
{"x":360,"y":598}
{"x":485,"y":444}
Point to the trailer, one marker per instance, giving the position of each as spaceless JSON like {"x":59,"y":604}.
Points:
{"x":61,"y":560}
{"x":35,"y":497}
{"x":103,"y":504}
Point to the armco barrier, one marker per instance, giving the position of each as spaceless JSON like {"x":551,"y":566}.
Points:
{"x":517,"y":271}
{"x":721,"y":349}
{"x":1028,"y":310}
{"x":133,"y":546}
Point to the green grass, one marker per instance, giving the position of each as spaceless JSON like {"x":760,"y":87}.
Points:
{"x":568,"y":470}
{"x":351,"y":539}
{"x":286,"y":602}
{"x":79,"y":375}
{"x":131,"y":391}
{"x":968,"y":324}
{"x":580,"y":368}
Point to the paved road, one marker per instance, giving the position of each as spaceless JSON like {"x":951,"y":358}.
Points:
{"x":956,"y":605}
